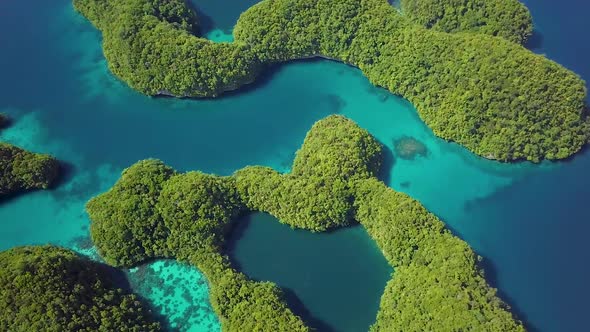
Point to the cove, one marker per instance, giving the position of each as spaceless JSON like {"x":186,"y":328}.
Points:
{"x":330,"y":279}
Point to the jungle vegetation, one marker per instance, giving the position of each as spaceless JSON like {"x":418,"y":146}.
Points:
{"x":495,"y":97}
{"x":21,"y":170}
{"x":47,"y":288}
{"x":155,"y":212}
{"x":150,"y":44}
{"x":509,"y":19}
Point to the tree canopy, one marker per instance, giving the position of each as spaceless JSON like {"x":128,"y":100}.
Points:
{"x":21,"y":170}
{"x":509,"y":19}
{"x":154,"y":212}
{"x":493,"y":96}
{"x":47,"y":288}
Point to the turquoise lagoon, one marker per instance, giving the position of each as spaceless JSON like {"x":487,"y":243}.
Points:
{"x":529,"y":222}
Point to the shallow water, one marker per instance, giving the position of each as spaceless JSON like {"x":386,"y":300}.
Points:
{"x":528,"y":221}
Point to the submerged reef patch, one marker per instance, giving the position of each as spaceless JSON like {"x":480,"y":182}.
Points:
{"x":409,"y":148}
{"x":493,"y":96}
{"x":155,"y":212}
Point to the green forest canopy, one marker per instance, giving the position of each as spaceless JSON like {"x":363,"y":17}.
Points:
{"x":509,"y":19}
{"x":47,"y":288}
{"x":155,"y":212}
{"x":495,"y":97}
{"x":22,"y":170}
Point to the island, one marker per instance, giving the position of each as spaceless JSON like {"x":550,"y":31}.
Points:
{"x":47,"y":288}
{"x":491,"y":95}
{"x":155,"y":212}
{"x":21,"y":170}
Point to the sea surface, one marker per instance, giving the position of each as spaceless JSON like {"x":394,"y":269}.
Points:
{"x":529,"y":222}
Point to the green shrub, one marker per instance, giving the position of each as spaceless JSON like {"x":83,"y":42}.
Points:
{"x":196,"y":209}
{"x":495,"y":97}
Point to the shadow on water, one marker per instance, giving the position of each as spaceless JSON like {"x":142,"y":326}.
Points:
{"x":205,"y":23}
{"x":300,"y":310}
{"x":265,"y":250}
{"x":234,"y":235}
{"x":387,"y":164}
{"x":266,"y":76}
{"x":535,"y":42}
{"x":491,"y":277}
{"x":261,"y":81}
{"x":66,"y":173}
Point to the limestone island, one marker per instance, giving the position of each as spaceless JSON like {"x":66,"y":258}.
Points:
{"x":47,"y":288}
{"x":487,"y":93}
{"x":21,"y":170}
{"x":155,"y":212}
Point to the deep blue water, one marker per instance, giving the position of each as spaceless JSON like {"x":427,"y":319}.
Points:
{"x":529,"y":222}
{"x":332,"y":281}
{"x":534,"y":233}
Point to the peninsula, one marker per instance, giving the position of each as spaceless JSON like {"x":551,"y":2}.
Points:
{"x":155,"y":212}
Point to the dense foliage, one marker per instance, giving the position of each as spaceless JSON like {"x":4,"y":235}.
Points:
{"x":336,"y":148}
{"x":150,"y":45}
{"x":153,"y":212}
{"x":315,"y":195}
{"x":494,"y":97}
{"x":436,"y":286}
{"x":129,"y":228}
{"x":47,"y":288}
{"x":21,"y":170}
{"x":509,"y":19}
